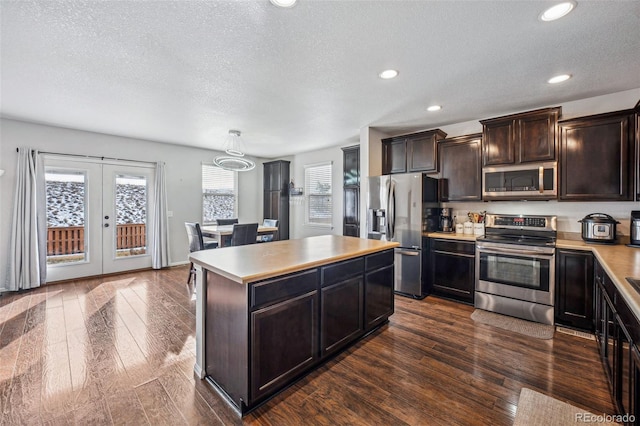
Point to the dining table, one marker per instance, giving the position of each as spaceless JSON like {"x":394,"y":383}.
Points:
{"x":222,"y":233}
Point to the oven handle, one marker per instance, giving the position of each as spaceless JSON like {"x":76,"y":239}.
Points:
{"x":531,"y":253}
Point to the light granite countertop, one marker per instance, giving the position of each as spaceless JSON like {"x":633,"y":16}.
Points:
{"x":255,"y":262}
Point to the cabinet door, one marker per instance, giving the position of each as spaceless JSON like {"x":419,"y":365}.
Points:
{"x":284,"y":342}
{"x":271,"y":207}
{"x":351,"y":166}
{"x":574,"y":289}
{"x":422,"y":154}
{"x":394,"y":156}
{"x":351,"y":212}
{"x":378,"y":296}
{"x":460,"y":168}
{"x":498,"y":143}
{"x":453,"y":274}
{"x":536,"y":138}
{"x":341,"y":318}
{"x":596,"y":158}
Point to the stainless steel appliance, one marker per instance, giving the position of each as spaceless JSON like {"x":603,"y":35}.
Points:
{"x":395,"y":206}
{"x":535,"y":181}
{"x":446,"y":221}
{"x":599,"y":228}
{"x":635,"y":229}
{"x":515,"y":266}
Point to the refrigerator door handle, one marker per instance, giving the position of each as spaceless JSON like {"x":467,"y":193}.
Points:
{"x":391,"y":209}
{"x":408,"y":253}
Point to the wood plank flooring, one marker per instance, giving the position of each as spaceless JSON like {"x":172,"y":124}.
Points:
{"x":120,"y":350}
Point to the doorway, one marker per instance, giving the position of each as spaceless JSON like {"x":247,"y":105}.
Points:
{"x":98,"y":216}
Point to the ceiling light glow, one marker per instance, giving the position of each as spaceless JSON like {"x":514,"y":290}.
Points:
{"x":387,"y":74}
{"x":433,"y":108}
{"x":559,"y":78}
{"x":557,"y":11}
{"x":283,"y":3}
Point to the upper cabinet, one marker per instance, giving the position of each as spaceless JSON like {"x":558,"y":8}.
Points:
{"x":597,"y":157}
{"x":351,"y":191}
{"x":520,"y":138}
{"x":638,"y":151}
{"x":417,"y":152}
{"x":460,"y":168}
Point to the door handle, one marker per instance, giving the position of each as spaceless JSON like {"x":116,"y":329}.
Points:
{"x":541,"y":179}
{"x":408,"y":253}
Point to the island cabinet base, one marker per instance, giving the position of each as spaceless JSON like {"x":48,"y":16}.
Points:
{"x":261,"y":337}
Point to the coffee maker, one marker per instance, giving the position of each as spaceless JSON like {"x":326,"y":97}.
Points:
{"x":635,"y":229}
{"x":446,"y":221}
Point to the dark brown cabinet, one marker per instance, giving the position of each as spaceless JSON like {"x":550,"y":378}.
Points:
{"x":283,"y":342}
{"x":351,"y":191}
{"x":574,"y":289}
{"x":452,"y":268}
{"x":637,"y":171}
{"x":520,"y":138}
{"x":596,"y":157}
{"x":417,"y":152}
{"x":378,"y":284}
{"x":276,"y":195}
{"x":460,"y":168}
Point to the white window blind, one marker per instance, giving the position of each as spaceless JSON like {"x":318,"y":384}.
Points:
{"x":219,"y":193}
{"x":317,"y":183}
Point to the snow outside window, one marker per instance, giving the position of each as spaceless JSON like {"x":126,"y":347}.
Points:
{"x":219,"y":194}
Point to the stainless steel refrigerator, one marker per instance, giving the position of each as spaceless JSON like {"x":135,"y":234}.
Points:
{"x":396,"y":211}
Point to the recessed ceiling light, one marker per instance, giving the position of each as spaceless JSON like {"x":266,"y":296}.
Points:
{"x":433,"y":108}
{"x":557,"y":11}
{"x":283,"y":3}
{"x":387,"y":74}
{"x":559,"y":78}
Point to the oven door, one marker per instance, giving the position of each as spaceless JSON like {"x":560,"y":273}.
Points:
{"x":516,"y":271}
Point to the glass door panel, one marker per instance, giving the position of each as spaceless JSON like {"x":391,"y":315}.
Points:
{"x":126,"y":211}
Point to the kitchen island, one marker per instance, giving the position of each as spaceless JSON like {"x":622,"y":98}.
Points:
{"x":266,"y":314}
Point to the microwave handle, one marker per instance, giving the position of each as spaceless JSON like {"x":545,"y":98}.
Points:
{"x":541,"y":179}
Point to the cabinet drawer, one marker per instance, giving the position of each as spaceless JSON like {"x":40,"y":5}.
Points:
{"x":379,"y":260}
{"x":459,"y":247}
{"x":272,"y":291}
{"x":341,"y":271}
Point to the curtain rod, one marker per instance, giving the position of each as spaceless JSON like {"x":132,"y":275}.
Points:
{"x":92,"y":156}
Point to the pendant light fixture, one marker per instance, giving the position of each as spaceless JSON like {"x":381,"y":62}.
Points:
{"x":234,"y":160}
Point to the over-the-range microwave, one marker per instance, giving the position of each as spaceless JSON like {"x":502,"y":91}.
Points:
{"x":535,"y":181}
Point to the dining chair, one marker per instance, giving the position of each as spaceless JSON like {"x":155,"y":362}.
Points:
{"x":227,"y":221}
{"x":196,"y":243}
{"x":267,"y":238}
{"x":245,"y":233}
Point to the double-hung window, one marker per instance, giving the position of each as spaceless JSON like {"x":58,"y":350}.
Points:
{"x":317,"y":182}
{"x":219,"y":194}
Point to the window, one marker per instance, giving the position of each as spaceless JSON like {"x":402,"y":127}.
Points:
{"x":219,"y":194}
{"x":317,"y":182}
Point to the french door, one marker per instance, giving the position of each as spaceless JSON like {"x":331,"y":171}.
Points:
{"x":98,"y":216}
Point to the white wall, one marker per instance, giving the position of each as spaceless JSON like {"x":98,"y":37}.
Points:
{"x":183,"y":175}
{"x":568,"y":212}
{"x":297,"y":213}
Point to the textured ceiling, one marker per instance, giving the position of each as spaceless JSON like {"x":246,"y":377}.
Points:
{"x":303,"y":78}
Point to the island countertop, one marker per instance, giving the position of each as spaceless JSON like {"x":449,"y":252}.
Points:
{"x":254,"y":262}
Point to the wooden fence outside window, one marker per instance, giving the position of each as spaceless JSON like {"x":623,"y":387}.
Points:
{"x":70,"y":239}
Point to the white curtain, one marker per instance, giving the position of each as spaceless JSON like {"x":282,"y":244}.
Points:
{"x":159,"y":225}
{"x":27,"y":251}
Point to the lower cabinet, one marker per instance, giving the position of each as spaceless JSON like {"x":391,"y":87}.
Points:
{"x":452,"y":268}
{"x":574,"y":289}
{"x":618,"y":334}
{"x":298,"y":320}
{"x":283,"y":341}
{"x":341,"y":317}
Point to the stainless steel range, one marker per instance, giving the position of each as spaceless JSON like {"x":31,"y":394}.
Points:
{"x":515,"y":266}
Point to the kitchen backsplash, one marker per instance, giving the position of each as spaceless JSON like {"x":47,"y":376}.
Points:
{"x":568,"y":213}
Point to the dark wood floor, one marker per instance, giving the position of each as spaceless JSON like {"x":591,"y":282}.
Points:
{"x":121,"y":350}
